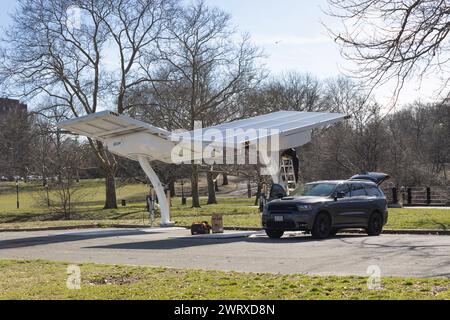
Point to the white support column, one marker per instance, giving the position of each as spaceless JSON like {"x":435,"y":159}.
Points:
{"x":163,"y":203}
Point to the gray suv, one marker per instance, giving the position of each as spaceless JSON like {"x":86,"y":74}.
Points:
{"x":324,"y":207}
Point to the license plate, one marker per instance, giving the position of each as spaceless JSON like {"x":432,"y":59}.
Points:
{"x":279,"y":218}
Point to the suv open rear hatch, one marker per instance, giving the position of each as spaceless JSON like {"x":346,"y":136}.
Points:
{"x":376,"y":177}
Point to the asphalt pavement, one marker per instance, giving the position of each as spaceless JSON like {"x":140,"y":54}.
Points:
{"x":346,"y":254}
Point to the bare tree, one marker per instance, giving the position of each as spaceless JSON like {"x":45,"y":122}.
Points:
{"x":61,"y":195}
{"x":210,"y":179}
{"x":293,"y":91}
{"x":225,"y":179}
{"x":206,"y":70}
{"x":394,"y":39}
{"x":288,"y":91}
{"x":84,"y":54}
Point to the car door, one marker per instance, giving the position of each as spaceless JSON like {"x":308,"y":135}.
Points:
{"x":375,"y":200}
{"x":277,"y":191}
{"x":359,"y":204}
{"x":341,"y":206}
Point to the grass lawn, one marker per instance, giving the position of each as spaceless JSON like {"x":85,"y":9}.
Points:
{"x":47,"y":280}
{"x":236,"y":211}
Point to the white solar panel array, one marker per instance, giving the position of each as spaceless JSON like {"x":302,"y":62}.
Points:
{"x":293,"y":129}
{"x":107,"y":124}
{"x":284,"y":122}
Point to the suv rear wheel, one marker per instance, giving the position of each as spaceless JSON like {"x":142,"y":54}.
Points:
{"x":322,"y":226}
{"x":375,"y":224}
{"x":274,"y":234}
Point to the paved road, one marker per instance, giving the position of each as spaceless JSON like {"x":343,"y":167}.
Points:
{"x":396,"y":255}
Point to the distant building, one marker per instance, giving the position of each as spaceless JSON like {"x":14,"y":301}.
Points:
{"x":7,"y":105}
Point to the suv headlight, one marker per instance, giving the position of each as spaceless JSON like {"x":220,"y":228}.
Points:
{"x":304,"y":207}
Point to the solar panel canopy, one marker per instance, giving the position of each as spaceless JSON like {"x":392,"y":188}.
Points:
{"x":283,"y":123}
{"x":130,"y":137}
{"x":108,"y":125}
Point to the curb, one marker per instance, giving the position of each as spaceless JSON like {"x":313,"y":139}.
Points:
{"x":87,"y":226}
{"x":386,"y":231}
{"x":438,"y":232}
{"x":124,"y":226}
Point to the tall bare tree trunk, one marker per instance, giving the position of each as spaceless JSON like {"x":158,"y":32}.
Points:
{"x":225,"y":179}
{"x":249,"y":189}
{"x":172,"y":188}
{"x":258,"y":192}
{"x":109,"y":167}
{"x":259,"y":188}
{"x":216,"y":185}
{"x":194,"y":186}
{"x":110,"y":184}
{"x":211,"y":190}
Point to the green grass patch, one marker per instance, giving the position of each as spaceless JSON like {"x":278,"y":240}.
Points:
{"x":47,"y":280}
{"x":420,"y":218}
{"x":237,"y":211}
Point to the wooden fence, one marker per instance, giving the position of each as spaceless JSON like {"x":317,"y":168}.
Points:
{"x":418,"y":196}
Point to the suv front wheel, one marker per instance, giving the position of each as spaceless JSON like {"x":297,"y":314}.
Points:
{"x":274,"y":234}
{"x":322,"y":226}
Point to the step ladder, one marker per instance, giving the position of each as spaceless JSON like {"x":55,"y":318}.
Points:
{"x":287,"y":174}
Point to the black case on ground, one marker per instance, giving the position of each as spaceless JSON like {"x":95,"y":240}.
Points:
{"x":200,"y":228}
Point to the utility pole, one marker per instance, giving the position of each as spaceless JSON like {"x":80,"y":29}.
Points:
{"x":16,"y":176}
{"x":183,"y":199}
{"x":48,"y":198}
{"x":17,"y":192}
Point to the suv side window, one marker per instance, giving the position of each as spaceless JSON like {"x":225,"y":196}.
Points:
{"x":373,"y":191}
{"x":345,"y":187}
{"x":358,"y":190}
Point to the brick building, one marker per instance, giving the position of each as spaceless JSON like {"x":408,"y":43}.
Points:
{"x":15,"y":138}
{"x":7,"y":105}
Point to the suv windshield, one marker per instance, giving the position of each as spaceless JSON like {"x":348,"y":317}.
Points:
{"x":315,"y":189}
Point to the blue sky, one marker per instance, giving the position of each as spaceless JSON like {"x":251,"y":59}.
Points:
{"x":290,"y":33}
{"x":293,"y":38}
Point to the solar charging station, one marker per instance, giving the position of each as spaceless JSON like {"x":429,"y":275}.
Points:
{"x":142,"y":142}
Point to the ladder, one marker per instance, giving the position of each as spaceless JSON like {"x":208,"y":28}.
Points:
{"x":287,"y":174}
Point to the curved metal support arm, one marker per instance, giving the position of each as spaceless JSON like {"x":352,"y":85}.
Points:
{"x":159,"y":189}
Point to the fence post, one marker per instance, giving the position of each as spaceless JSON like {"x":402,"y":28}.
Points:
{"x":409,"y":195}
{"x":394,"y":195}
{"x":428,"y":195}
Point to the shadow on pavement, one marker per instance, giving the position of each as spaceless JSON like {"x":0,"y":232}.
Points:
{"x":68,"y":237}
{"x":195,"y":241}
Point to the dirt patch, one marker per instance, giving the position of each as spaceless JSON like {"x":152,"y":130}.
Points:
{"x":439,"y":289}
{"x":114,"y":280}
